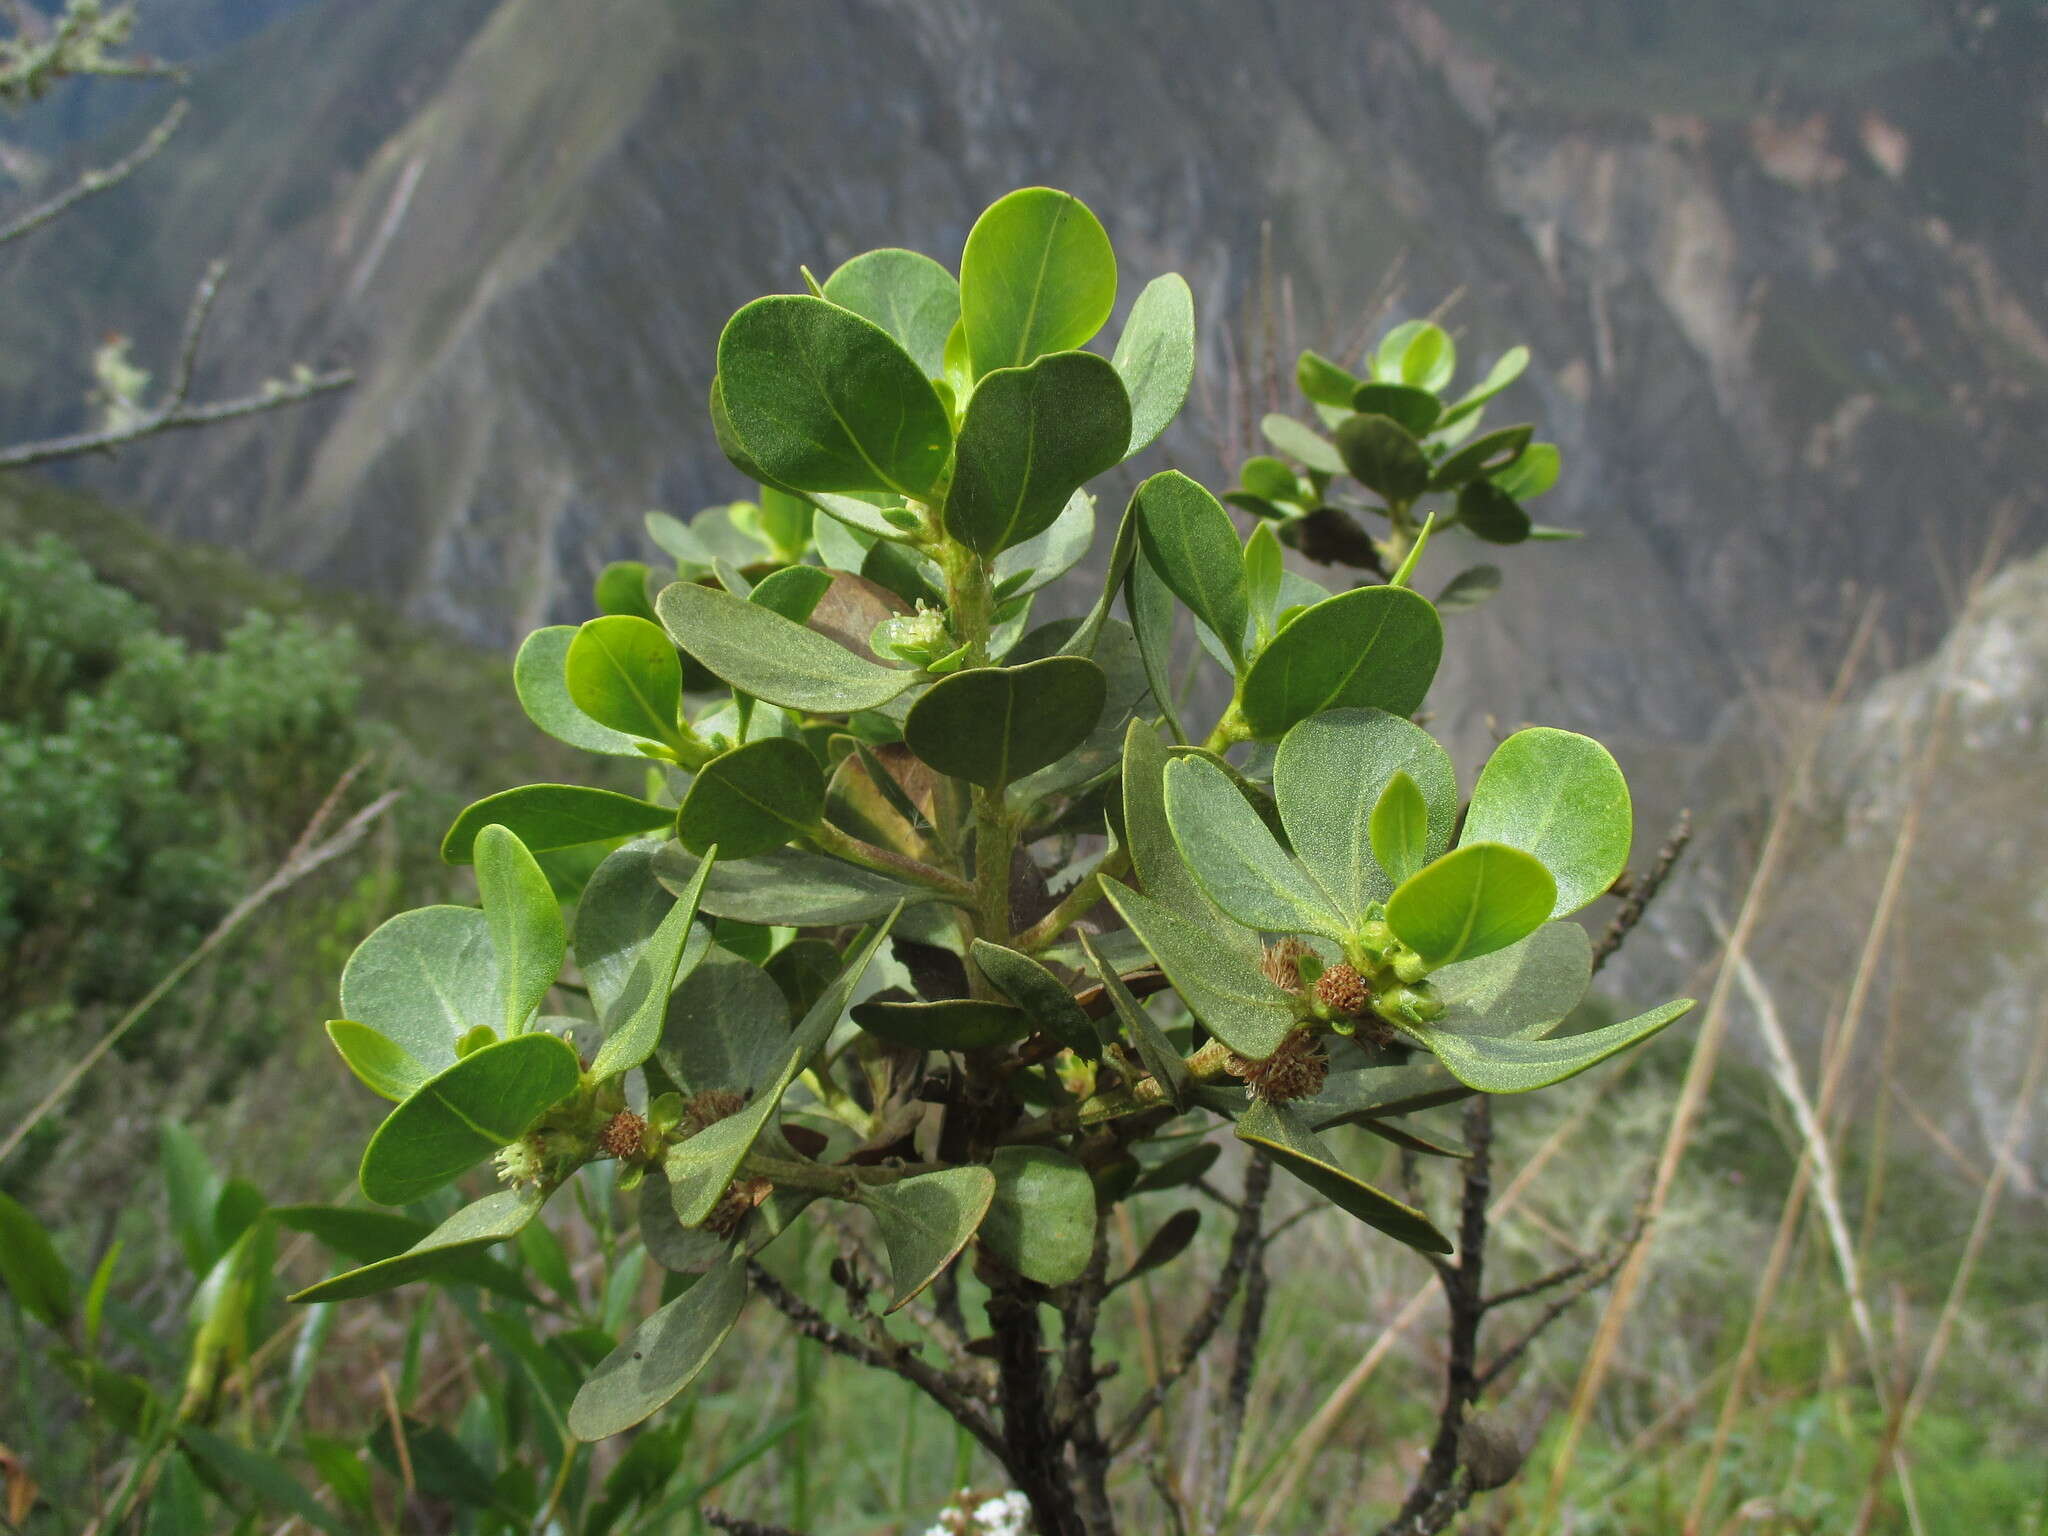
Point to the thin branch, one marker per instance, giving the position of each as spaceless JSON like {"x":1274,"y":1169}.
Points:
{"x":738,"y":1527}
{"x":1258,"y":1179}
{"x":276,"y":395}
{"x":898,"y":1361}
{"x":197,"y":313}
{"x":1644,"y":890}
{"x":1591,"y":1275}
{"x":99,"y":179}
{"x":1244,"y":1353}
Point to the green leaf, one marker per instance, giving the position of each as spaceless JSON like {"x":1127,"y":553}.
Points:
{"x":1037,"y":276}
{"x":1469,"y":588}
{"x":700,"y":1168}
{"x":449,"y":1251}
{"x":1530,"y":475}
{"x":1166,"y":1244}
{"x":907,"y":294}
{"x":30,"y":1270}
{"x":761,"y":653}
{"x":1269,"y":479}
{"x":525,"y":921}
{"x":1512,"y":1064}
{"x":1562,"y":798}
{"x":752,"y":799}
{"x":178,"y":1507}
{"x":1477,"y":899}
{"x":1155,"y":356}
{"x":1358,"y":1094}
{"x":952,"y":1024}
{"x":1154,"y":1049}
{"x":663,"y":1355}
{"x":622,"y":907}
{"x":1287,"y":1139}
{"x":633,"y":1022}
{"x":1032,"y":436}
{"x":1303,"y":444}
{"x":369,"y":1237}
{"x":1042,"y":1220}
{"x":623,"y":672}
{"x":1323,"y":381}
{"x":1384,"y":456}
{"x":423,"y":980}
{"x":1375,"y":647}
{"x":1480,"y":458}
{"x":1265,"y":577}
{"x":823,"y":400}
{"x":385,"y":1067}
{"x":1499,"y":377}
{"x":1400,"y":829}
{"x":1192,"y":544}
{"x":791,"y":886}
{"x":1414,"y":410}
{"x":540,"y":678}
{"x":1047,"y":556}
{"x":1525,"y":990}
{"x":1042,"y":995}
{"x":260,"y":1473}
{"x":925,"y":1221}
{"x":463,"y":1114}
{"x":621,"y":588}
{"x":1235,"y":857}
{"x":728,"y":1025}
{"x":1150,"y":603}
{"x":1182,"y":1168}
{"x":1491,"y":514}
{"x":991,"y":725}
{"x":192,"y":1191}
{"x":1416,"y":352}
{"x":1222,"y":985}
{"x":1154,"y":854}
{"x":550,"y":816}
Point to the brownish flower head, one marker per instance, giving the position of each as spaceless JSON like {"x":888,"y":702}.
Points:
{"x":1278,"y":963}
{"x":1342,"y":990}
{"x":623,"y":1135}
{"x":740,"y":1197}
{"x":1295,"y":1071}
{"x":710,"y":1107}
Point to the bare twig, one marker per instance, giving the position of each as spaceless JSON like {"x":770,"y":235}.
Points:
{"x":1590,"y":1274}
{"x":1258,"y":1180}
{"x":1244,"y":1352}
{"x":303,"y":860}
{"x":100,"y":179}
{"x":1644,"y":890}
{"x":735,"y":1526}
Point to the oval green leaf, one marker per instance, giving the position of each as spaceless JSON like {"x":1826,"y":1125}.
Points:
{"x":1193,"y":546}
{"x":1303,"y":444}
{"x":823,"y":400}
{"x":383,"y":1066}
{"x":662,"y":1356}
{"x":623,"y":672}
{"x":1471,"y":902}
{"x":1236,"y":858}
{"x":752,"y":799}
{"x":1560,"y":797}
{"x":925,"y":1221}
{"x":450,"y":1251}
{"x":1400,"y":829}
{"x":1042,"y":1220}
{"x":1155,"y":357}
{"x":1217,"y":979}
{"x":1042,"y":995}
{"x":423,"y":980}
{"x":1383,"y":456}
{"x":761,"y":653}
{"x":1525,"y":990}
{"x":525,"y":921}
{"x":951,"y":1024}
{"x":995,"y":724}
{"x":540,"y":678}
{"x":1287,"y":1139}
{"x":633,"y":1022}
{"x":908,"y":295}
{"x":1511,"y":1064}
{"x":1038,"y":275}
{"x":462,"y":1115}
{"x":551,"y":816}
{"x":1376,"y":648}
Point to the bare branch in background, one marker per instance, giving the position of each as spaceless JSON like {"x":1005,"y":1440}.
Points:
{"x":1642,"y":890}
{"x":99,"y":179}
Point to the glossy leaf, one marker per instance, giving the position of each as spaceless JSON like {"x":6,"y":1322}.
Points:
{"x":761,"y":653}
{"x":549,"y":816}
{"x":1042,"y":1220}
{"x":633,"y":1022}
{"x":1525,"y":990}
{"x":1235,"y":857}
{"x":525,"y":920}
{"x":369,"y":1237}
{"x":540,"y":678}
{"x":661,"y":1356}
{"x":1530,"y":475}
{"x":1287,"y":1139}
{"x":383,"y":1066}
{"x":1482,"y":457}
{"x":423,"y":980}
{"x":1323,"y":381}
{"x":907,"y":294}
{"x":925,"y":1221}
{"x":448,"y":1251}
{"x":1560,"y":797}
{"x":1512,"y":1064}
{"x":30,"y":1270}
{"x":990,"y":725}
{"x":1265,"y":577}
{"x":623,"y":673}
{"x":1032,"y":436}
{"x":1223,"y":986}
{"x":823,"y":400}
{"x":1042,"y":995}
{"x":1192,"y":544}
{"x":1400,"y":829}
{"x":1472,"y":901}
{"x":1304,"y":445}
{"x":464,"y":1114}
{"x":700,"y":1167}
{"x":752,"y":799}
{"x":1414,"y":410}
{"x":1383,"y":456}
{"x":951,"y":1024}
{"x":1375,"y":647}
{"x":1037,"y":276}
{"x":1155,"y":357}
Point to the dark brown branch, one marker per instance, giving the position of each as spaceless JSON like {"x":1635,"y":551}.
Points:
{"x":1643,"y":889}
{"x":738,"y":1527}
{"x":1590,"y":1275}
{"x":1251,"y":1326}
{"x":1077,"y":1400}
{"x":99,"y":179}
{"x":897,"y":1359}
{"x":1258,"y":1180}
{"x":1033,"y":1446}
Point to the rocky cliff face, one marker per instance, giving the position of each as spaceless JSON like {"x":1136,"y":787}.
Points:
{"x":1789,"y":325}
